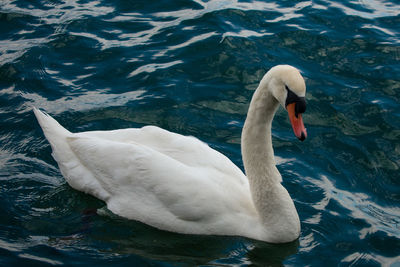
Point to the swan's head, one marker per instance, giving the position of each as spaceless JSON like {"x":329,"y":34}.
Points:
{"x":288,"y":87}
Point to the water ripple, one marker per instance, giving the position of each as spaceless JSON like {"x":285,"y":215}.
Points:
{"x":372,"y":8}
{"x":191,"y":66}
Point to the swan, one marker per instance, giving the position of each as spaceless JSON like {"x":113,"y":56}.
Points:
{"x":178,"y":183}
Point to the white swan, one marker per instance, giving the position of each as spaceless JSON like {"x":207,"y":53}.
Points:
{"x":178,"y":183}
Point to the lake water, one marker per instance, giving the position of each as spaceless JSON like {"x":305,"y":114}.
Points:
{"x":191,"y":67}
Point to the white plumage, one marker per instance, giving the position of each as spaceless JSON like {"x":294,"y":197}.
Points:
{"x":178,"y":183}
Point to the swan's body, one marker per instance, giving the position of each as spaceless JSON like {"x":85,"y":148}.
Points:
{"x":180,"y":184}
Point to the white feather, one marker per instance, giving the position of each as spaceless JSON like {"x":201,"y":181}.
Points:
{"x":178,"y":183}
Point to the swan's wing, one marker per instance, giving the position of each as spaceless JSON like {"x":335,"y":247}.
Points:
{"x":141,"y":183}
{"x":185,"y":149}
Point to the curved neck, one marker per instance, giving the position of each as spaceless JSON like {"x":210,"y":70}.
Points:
{"x":276,"y":211}
{"x":275,"y":208}
{"x":256,"y":144}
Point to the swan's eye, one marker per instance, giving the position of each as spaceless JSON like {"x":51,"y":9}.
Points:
{"x":293,"y":98}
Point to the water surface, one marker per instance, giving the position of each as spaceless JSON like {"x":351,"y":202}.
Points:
{"x":191,"y":67}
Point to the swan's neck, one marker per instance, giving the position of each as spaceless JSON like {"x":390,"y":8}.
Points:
{"x":257,"y":151}
{"x":273,"y":203}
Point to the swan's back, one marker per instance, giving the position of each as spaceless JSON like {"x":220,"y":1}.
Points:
{"x":185,"y":149}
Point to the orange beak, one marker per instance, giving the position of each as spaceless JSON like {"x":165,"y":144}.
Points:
{"x":297,"y":122}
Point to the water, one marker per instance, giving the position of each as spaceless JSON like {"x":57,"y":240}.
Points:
{"x":191,"y":67}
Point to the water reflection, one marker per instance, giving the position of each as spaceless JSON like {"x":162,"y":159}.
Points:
{"x":128,"y":237}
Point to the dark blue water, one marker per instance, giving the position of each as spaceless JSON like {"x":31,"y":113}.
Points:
{"x":191,"y":67}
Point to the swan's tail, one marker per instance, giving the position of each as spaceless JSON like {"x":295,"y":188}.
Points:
{"x":54,"y":132}
{"x":49,"y":125}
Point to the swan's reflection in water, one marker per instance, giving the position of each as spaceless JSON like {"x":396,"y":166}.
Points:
{"x":123,"y":237}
